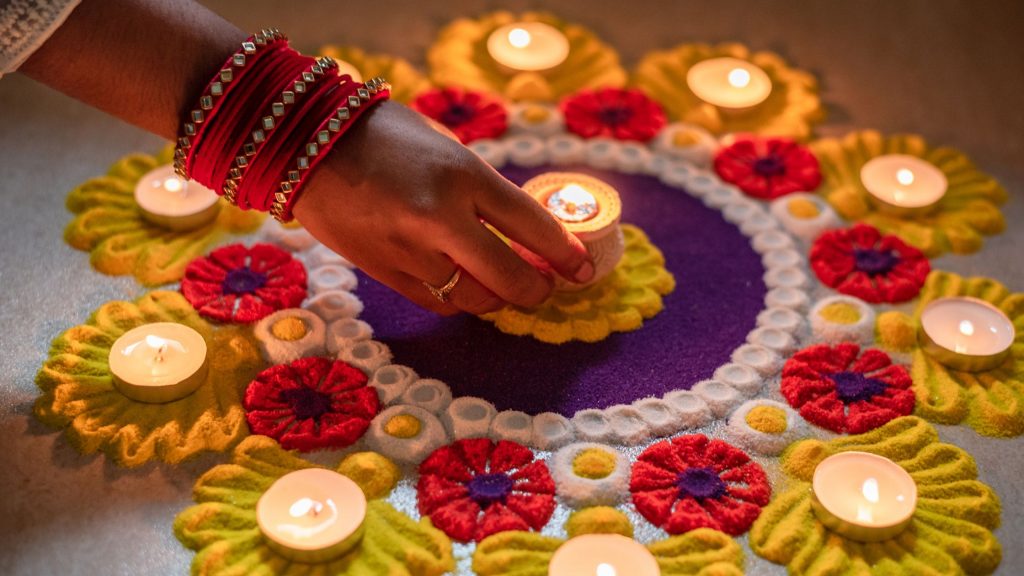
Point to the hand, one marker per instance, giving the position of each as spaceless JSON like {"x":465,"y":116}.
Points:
{"x":406,"y":204}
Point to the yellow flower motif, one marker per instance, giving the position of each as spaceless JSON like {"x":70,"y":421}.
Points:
{"x":459,"y":57}
{"x":951,"y":531}
{"x":109,"y":226}
{"x":790,"y":110}
{"x":406,"y":81}
{"x":969,"y":209}
{"x":619,"y":303}
{"x":700,"y":552}
{"x":991,"y":402}
{"x":79,"y":395}
{"x":222,"y":526}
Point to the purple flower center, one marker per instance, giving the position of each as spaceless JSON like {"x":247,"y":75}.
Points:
{"x":875,"y":262}
{"x":307,"y":403}
{"x":615,"y":115}
{"x":855,"y":387}
{"x":700,"y":483}
{"x":243,"y":281}
{"x":487,"y":489}
{"x":457,"y":114}
{"x":770,"y":165}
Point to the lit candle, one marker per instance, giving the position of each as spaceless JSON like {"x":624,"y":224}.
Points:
{"x":966,"y":333}
{"x":159,"y":362}
{"x":903,"y":184}
{"x":312,"y":515}
{"x":166,"y":200}
{"x":590,"y":209}
{"x":528,"y":46}
{"x":603,"y":555}
{"x":729,"y":83}
{"x":863,"y":496}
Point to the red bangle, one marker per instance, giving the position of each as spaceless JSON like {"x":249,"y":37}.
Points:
{"x":325,"y":136}
{"x":215,"y":93}
{"x":262,"y":178}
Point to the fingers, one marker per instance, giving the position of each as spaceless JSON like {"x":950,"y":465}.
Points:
{"x":512,"y":211}
{"x":468,"y":294}
{"x":497,"y":267}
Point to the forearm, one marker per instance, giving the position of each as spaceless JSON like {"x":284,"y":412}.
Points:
{"x":143,"y":61}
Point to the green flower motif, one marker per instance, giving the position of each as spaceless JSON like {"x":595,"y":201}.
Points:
{"x":222,"y":526}
{"x":991,"y":402}
{"x":109,"y":226}
{"x":791,"y":109}
{"x":459,"y":57}
{"x":700,"y":552}
{"x":79,"y":395}
{"x":969,"y":210}
{"x":406,"y":81}
{"x":950,"y":533}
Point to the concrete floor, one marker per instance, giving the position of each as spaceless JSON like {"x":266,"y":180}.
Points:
{"x":951,"y":71}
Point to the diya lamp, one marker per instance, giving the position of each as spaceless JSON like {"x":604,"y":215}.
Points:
{"x":903,"y":185}
{"x":863,"y":496}
{"x":966,"y":333}
{"x":312,"y":515}
{"x":730,"y":84}
{"x":159,"y":362}
{"x":170,"y":202}
{"x":590,"y":209}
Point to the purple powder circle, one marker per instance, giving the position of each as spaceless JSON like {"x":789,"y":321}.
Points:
{"x":875,"y":262}
{"x":306,"y":402}
{"x":854,"y":387}
{"x":700,"y":483}
{"x":243,"y":281}
{"x":487,"y":489}
{"x":715,"y":304}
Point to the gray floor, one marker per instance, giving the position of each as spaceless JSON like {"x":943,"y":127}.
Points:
{"x":951,"y":71}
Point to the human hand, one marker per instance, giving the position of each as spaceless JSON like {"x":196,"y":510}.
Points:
{"x":406,"y":203}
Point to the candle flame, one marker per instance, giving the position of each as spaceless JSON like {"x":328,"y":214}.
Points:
{"x":305,"y":507}
{"x":519,"y":38}
{"x":966,"y":327}
{"x":739,"y":78}
{"x":605,"y":569}
{"x":905,"y":176}
{"x":159,"y":344}
{"x":870,"y":490}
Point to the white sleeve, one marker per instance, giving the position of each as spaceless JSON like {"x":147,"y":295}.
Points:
{"x":25,"y":25}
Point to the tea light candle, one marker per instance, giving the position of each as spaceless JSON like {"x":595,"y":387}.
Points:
{"x":159,"y":362}
{"x":312,"y":515}
{"x":966,"y":333}
{"x":168,"y":201}
{"x":590,"y":209}
{"x":528,"y":46}
{"x":603,"y":555}
{"x":729,"y":83}
{"x":863,"y":496}
{"x":902,"y":184}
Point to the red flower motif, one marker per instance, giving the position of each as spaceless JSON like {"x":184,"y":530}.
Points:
{"x":859,"y":261}
{"x":768,"y":167}
{"x":613,"y":112}
{"x":693,"y":482}
{"x":470,"y":115}
{"x":842,"y":390}
{"x":310,"y":404}
{"x":474,"y":488}
{"x":239,"y":284}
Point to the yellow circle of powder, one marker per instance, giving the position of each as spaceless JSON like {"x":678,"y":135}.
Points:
{"x":684,"y":139}
{"x":536,"y":114}
{"x":289,"y":329}
{"x":840,"y":313}
{"x":802,"y":208}
{"x":403,"y":426}
{"x":593,"y":463}
{"x":767,"y":419}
